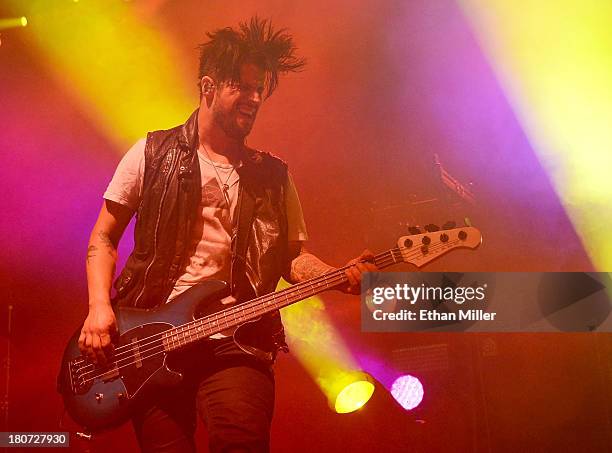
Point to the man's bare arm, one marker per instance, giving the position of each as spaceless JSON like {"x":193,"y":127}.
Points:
{"x":306,"y":266}
{"x":100,"y":323}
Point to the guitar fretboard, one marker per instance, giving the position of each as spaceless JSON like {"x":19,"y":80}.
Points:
{"x":239,"y":314}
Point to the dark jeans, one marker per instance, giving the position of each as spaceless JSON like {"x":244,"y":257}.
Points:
{"x":233,"y":394}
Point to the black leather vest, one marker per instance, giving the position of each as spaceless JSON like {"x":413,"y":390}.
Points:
{"x":168,"y":210}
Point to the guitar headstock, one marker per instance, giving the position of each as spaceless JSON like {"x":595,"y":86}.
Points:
{"x":420,"y":249}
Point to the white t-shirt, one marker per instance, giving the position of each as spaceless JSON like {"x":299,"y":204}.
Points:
{"x":210,"y":245}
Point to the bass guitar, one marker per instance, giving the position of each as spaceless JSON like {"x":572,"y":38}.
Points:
{"x":99,"y":397}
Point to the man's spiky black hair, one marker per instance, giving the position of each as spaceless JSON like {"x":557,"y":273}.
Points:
{"x":254,"y":42}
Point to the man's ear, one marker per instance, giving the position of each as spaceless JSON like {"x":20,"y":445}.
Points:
{"x":207,"y":85}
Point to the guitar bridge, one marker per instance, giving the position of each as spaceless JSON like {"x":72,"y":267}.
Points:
{"x":82,"y":373}
{"x":77,"y":373}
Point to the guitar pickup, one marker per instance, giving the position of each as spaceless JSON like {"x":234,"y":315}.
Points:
{"x":136,"y":352}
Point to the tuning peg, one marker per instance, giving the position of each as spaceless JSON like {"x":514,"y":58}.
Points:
{"x":430,"y":228}
{"x":449,"y":225}
{"x":414,"y":230}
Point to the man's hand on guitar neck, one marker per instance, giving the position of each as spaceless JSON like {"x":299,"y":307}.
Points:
{"x":363,"y":263}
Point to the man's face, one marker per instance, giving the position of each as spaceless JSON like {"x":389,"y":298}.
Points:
{"x":236,"y":104}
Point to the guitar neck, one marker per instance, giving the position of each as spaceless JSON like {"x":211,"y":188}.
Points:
{"x":254,"y":308}
{"x":417,"y":249}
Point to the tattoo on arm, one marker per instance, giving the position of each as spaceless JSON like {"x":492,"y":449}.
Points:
{"x":306,"y":266}
{"x":106,"y":241}
{"x":103,"y":236}
{"x":91,"y":252}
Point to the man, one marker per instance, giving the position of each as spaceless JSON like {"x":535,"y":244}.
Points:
{"x":208,"y":207}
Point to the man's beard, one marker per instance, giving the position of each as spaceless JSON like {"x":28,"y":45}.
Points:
{"x":227,"y":121}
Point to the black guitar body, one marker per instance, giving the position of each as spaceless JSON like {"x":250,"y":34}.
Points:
{"x":140,"y":369}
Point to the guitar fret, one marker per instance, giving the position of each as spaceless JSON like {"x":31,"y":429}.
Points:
{"x":203,"y":332}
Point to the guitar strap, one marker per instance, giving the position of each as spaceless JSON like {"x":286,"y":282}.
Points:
{"x":242,"y":228}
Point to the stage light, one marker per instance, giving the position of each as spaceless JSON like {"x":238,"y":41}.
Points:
{"x":407,"y":391}
{"x":555,"y":67}
{"x":13,"y":22}
{"x":127,"y":75}
{"x":353,"y":396}
{"x":320,"y":349}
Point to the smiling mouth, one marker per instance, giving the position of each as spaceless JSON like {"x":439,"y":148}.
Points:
{"x":246,"y":112}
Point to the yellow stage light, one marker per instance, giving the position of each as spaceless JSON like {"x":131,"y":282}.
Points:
{"x":322,"y":352}
{"x":13,"y":22}
{"x":126,"y":74}
{"x":555,"y":66}
{"x":353,"y":396}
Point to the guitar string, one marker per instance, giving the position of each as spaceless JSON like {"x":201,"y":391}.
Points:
{"x":154,"y":351}
{"x":338,"y":279}
{"x":163,"y":350}
{"x":242,"y":307}
{"x":295,"y":289}
{"x":256,"y":303}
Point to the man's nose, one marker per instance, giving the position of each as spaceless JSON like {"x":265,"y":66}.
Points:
{"x":255,"y":97}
